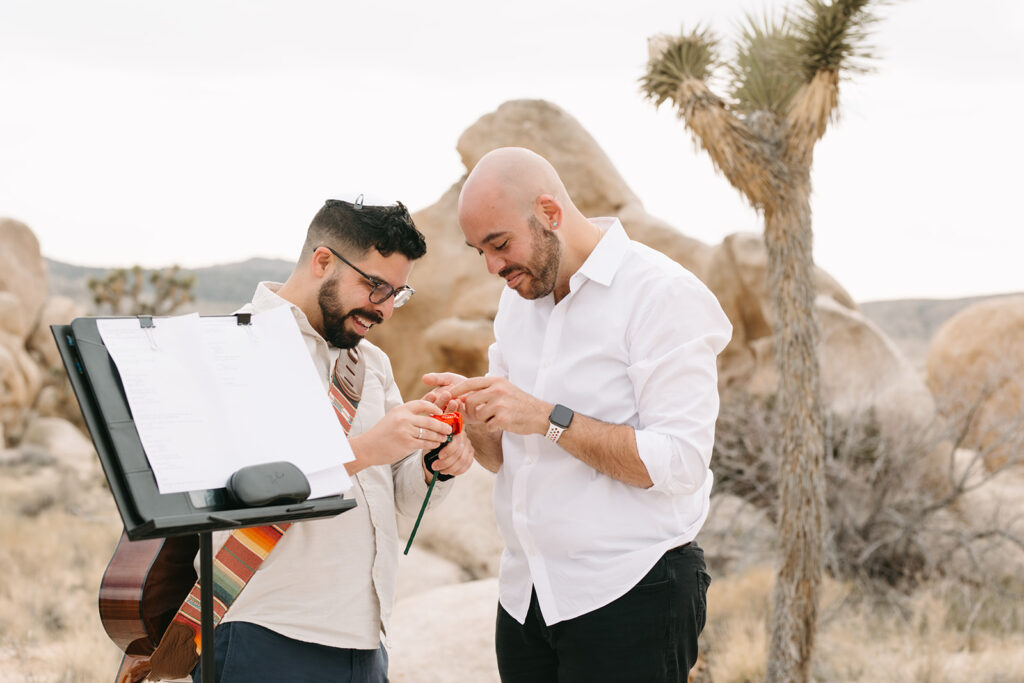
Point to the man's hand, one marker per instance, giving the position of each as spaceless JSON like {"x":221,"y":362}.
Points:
{"x":499,"y":404}
{"x":441,"y":395}
{"x":484,"y":441}
{"x":456,"y":458}
{"x":403,"y":429}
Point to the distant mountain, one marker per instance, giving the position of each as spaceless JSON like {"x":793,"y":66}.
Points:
{"x":910,"y":323}
{"x":218,"y":289}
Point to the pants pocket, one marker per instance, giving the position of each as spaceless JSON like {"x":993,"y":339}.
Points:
{"x":703,"y":581}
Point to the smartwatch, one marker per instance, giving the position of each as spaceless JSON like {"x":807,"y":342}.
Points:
{"x":558,"y":421}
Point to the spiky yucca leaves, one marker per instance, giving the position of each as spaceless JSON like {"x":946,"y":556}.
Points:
{"x":677,"y":72}
{"x":767,"y":70}
{"x":675,"y":59}
{"x":831,"y":35}
{"x":830,"y":38}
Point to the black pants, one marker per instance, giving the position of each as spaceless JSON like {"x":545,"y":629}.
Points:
{"x":649,"y":634}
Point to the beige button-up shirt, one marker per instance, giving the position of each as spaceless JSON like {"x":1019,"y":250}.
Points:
{"x":332,"y":581}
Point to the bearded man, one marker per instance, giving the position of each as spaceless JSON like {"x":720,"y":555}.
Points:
{"x":318,"y":606}
{"x":598,"y":416}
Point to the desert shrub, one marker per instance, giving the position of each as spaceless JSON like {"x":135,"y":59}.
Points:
{"x":901,"y":494}
{"x":138,"y":292}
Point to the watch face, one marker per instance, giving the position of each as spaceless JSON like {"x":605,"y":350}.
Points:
{"x":561,"y":416}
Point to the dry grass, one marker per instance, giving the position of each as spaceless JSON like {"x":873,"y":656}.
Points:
{"x":57,"y":532}
{"x":54,"y":548}
{"x":910,"y":639}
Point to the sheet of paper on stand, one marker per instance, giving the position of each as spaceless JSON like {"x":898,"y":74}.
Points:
{"x":210,"y":396}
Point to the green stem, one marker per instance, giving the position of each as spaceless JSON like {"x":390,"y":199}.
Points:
{"x":423,"y":508}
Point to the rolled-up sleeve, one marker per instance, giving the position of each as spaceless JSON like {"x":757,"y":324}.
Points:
{"x":674,"y":374}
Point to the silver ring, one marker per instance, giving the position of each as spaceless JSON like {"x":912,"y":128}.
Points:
{"x":420,"y":435}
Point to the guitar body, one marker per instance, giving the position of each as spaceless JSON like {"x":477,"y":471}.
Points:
{"x":143,"y":587}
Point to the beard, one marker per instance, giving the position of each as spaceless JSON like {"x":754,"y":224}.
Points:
{"x":542,"y":268}
{"x":334,"y":316}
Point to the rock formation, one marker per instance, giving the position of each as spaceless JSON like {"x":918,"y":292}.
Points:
{"x":976,"y":372}
{"x":22,"y":271}
{"x":30,"y":368}
{"x":447,"y":325}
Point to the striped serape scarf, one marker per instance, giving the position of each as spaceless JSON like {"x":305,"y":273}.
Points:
{"x":244,"y":551}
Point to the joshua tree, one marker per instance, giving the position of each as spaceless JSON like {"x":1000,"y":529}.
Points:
{"x":124,"y":291}
{"x":784,"y":87}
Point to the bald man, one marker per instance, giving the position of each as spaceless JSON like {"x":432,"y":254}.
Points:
{"x":598,"y":416}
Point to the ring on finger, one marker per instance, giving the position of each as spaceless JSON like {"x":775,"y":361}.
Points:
{"x":420,"y":434}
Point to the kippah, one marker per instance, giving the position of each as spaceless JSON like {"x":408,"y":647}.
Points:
{"x":359,"y":199}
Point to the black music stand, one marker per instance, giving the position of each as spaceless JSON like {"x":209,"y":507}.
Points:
{"x":146,"y":512}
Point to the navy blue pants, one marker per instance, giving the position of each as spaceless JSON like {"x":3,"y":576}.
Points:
{"x":247,"y":653}
{"x":649,"y":634}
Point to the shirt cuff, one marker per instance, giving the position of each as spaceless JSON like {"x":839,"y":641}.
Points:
{"x":670,"y":470}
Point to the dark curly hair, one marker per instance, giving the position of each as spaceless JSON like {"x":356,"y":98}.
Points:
{"x":355,"y":230}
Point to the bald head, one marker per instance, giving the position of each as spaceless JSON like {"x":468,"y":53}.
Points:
{"x":514,"y":210}
{"x":509,"y":179}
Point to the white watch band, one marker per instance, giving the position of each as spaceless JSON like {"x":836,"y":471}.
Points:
{"x":554,"y":432}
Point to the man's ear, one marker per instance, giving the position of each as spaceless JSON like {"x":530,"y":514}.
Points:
{"x":551,"y":210}
{"x":319,"y":262}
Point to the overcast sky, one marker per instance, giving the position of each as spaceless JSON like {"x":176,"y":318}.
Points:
{"x":209,"y":131}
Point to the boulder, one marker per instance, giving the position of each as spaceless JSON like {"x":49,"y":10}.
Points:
{"x":445,"y":634}
{"x":861,"y":367}
{"x":863,"y":376}
{"x":459,"y":345}
{"x":48,"y":404}
{"x":993,"y":502}
{"x":449,"y":318}
{"x":422,"y":570}
{"x":452,"y":280}
{"x":57,"y":310}
{"x":737,"y":273}
{"x":28,"y":486}
{"x":22,"y":270}
{"x":71,"y":449}
{"x":12,"y":317}
{"x":20,"y":382}
{"x":975,"y":371}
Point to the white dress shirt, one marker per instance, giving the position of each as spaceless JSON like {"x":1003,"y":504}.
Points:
{"x":633,"y":343}
{"x":332,"y":581}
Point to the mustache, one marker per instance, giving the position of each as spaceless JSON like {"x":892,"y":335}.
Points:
{"x":369,"y":315}
{"x":505,"y":272}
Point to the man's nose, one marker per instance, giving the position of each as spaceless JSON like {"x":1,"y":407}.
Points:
{"x":387,"y":309}
{"x":495,"y":264}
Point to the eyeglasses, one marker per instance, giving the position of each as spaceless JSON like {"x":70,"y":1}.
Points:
{"x":381,"y":291}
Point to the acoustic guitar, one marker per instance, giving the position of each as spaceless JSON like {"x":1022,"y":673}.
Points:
{"x":141,"y":591}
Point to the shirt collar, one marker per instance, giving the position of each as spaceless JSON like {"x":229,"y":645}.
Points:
{"x":604,"y":260}
{"x":266,"y":297}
